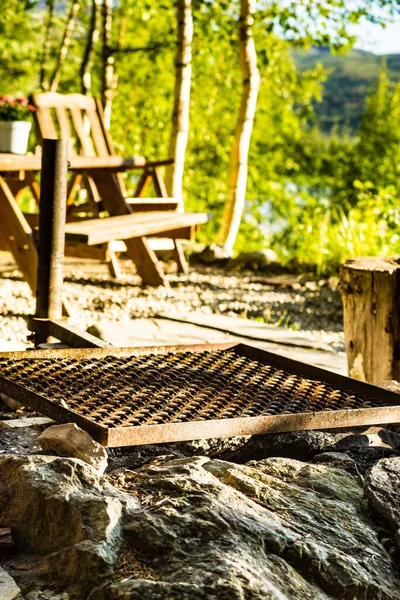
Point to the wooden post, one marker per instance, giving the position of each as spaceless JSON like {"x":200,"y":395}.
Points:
{"x":53,"y":202}
{"x":370,"y":290}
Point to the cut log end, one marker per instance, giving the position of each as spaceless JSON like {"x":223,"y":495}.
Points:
{"x":370,"y":290}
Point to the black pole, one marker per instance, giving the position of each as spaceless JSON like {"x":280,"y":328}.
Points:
{"x":52,"y":215}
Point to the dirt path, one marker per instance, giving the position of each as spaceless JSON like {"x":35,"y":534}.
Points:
{"x":310,"y":306}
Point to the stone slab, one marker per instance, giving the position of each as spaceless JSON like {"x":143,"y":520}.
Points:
{"x":26,"y":422}
{"x":158,"y":332}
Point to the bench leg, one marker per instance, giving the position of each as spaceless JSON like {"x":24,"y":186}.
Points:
{"x":139,"y":251}
{"x":147,"y":264}
{"x":17,"y":236}
{"x":180,"y":258}
{"x":113,"y":264}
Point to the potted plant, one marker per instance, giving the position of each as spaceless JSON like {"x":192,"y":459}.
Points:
{"x":15,"y":124}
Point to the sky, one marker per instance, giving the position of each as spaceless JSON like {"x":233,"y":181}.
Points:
{"x":380,"y":41}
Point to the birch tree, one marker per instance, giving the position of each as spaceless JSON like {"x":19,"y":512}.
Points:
{"x":66,"y":40}
{"x":235,"y":201}
{"x":43,"y":82}
{"x":87,"y":61}
{"x":107,"y":75}
{"x":180,"y":115}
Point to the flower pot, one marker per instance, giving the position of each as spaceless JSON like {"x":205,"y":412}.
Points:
{"x":14,"y":136}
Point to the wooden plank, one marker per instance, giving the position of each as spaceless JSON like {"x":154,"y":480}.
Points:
{"x":64,"y":123}
{"x":97,"y":132}
{"x":46,"y":124}
{"x":182,"y":233}
{"x":151,"y":204}
{"x":106,"y":133}
{"x":52,"y":99}
{"x":10,"y":163}
{"x":87,"y":148}
{"x":98,"y":231}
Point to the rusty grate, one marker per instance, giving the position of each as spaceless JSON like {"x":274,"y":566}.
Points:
{"x":134,"y":396}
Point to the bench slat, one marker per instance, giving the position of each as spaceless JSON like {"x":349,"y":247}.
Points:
{"x":99,"y":231}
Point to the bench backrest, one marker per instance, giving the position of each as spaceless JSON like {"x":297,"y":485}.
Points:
{"x":75,"y":117}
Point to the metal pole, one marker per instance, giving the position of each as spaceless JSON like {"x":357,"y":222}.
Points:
{"x":52,"y":215}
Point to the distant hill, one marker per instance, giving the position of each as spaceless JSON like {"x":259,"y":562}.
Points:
{"x":351,"y":78}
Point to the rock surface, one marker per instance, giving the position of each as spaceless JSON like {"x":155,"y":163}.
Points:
{"x":301,"y":445}
{"x":63,"y":517}
{"x":195,"y":528}
{"x":8,"y":588}
{"x":70,"y":440}
{"x":277,"y":528}
{"x":382,"y":489}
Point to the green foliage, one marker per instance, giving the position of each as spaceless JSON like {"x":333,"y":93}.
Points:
{"x":316,"y":198}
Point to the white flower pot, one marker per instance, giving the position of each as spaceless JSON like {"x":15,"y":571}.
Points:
{"x":14,"y":136}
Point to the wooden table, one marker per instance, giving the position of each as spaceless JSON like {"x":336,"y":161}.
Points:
{"x":16,"y":236}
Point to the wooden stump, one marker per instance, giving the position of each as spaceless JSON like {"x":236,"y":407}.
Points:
{"x":370,"y":290}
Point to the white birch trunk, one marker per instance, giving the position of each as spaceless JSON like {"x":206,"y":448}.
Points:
{"x":87,"y":61}
{"x":108,"y":63}
{"x":44,"y":84}
{"x":234,"y":206}
{"x":69,"y":28}
{"x":180,"y":116}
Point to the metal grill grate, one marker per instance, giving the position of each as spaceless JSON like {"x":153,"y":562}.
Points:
{"x":129,"y":397}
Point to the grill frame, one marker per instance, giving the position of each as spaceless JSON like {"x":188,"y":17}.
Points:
{"x":388,"y":412}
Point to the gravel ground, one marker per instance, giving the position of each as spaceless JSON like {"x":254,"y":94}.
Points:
{"x":308,"y":305}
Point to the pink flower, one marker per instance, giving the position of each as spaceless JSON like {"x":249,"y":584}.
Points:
{"x":7,"y":99}
{"x":22,"y":101}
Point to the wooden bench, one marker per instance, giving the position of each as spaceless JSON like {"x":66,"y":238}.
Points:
{"x":133,"y":230}
{"x":80,"y":119}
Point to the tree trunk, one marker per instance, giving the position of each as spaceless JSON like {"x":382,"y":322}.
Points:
{"x":44,"y":84}
{"x":239,"y":156}
{"x":180,"y":116}
{"x":108,"y":63}
{"x":69,"y":28}
{"x":87,"y":61}
{"x":371,"y":301}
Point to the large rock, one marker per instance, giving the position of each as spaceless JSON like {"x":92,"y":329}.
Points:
{"x":191,"y":528}
{"x":255,"y":261}
{"x":382,"y":489}
{"x":277,"y":529}
{"x":212,"y":255}
{"x":301,"y":445}
{"x":8,"y":588}
{"x":70,"y":440}
{"x":62,"y":514}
